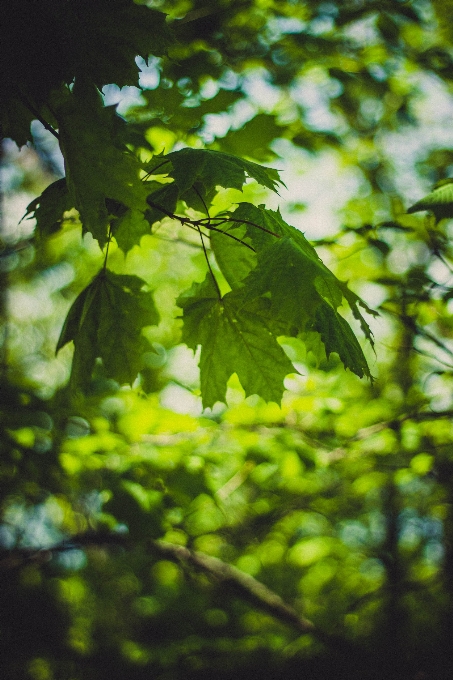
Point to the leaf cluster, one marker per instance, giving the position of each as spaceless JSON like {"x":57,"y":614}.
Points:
{"x":279,"y":286}
{"x":276,"y":285}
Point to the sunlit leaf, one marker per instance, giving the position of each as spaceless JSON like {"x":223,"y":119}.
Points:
{"x":215,"y":168}
{"x":232,"y":341}
{"x":439,"y":201}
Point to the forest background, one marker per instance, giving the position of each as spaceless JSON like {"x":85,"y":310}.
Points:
{"x":159,"y":524}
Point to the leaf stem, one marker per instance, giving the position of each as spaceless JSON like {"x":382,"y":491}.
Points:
{"x":204,"y":222}
{"x":203,"y":201}
{"x":219,"y":294}
{"x":38,"y":116}
{"x":109,"y":238}
{"x":153,"y":171}
{"x":253,"y":224}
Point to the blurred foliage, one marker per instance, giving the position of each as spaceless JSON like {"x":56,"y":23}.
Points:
{"x":341,"y":500}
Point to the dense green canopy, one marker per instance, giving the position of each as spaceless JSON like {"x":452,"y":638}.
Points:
{"x":226,"y":340}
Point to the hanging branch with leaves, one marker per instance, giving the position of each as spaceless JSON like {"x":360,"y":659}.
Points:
{"x":278,"y":286}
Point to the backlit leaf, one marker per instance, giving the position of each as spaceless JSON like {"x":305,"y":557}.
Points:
{"x":233,"y":340}
{"x":129,"y":229}
{"x":439,"y":201}
{"x":215,"y":168}
{"x":234,"y":257}
{"x":105,"y":322}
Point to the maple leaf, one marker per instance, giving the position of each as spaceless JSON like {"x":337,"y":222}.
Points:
{"x":48,"y":208}
{"x":234,"y":255}
{"x":161,"y":201}
{"x":98,"y":165}
{"x":106,"y":322}
{"x":355,"y":302}
{"x":338,"y":337}
{"x":215,"y":168}
{"x":233,"y":339}
{"x":290,"y":271}
{"x":439,"y":201}
{"x":296,"y":282}
{"x":264,"y":226}
{"x":129,"y":229}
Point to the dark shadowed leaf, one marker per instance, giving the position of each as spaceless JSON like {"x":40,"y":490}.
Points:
{"x":48,"y":208}
{"x":106,"y":322}
{"x":338,"y":337}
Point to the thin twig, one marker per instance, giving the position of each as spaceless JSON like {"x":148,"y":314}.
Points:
{"x":235,"y":238}
{"x":38,"y":116}
{"x":153,"y":171}
{"x":204,"y":222}
{"x":253,"y":224}
{"x":203,"y":201}
{"x":219,"y":294}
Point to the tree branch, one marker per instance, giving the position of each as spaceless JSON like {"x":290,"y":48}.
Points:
{"x":244,"y":585}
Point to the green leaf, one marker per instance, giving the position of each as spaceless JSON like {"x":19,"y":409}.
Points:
{"x":169,"y":106}
{"x":129,"y":229}
{"x":265,"y":226}
{"x":289,"y":276}
{"x":234,"y":257}
{"x":199,"y":197}
{"x":233,"y":340}
{"x":98,"y":165}
{"x":106,"y":322}
{"x":338,"y":337}
{"x":164,"y":196}
{"x":254,"y":138}
{"x":288,"y":266}
{"x":15,"y":121}
{"x":439,"y":201}
{"x":81,"y":327}
{"x":355,"y":302}
{"x":106,"y":43}
{"x":298,"y":283}
{"x":215,"y":168}
{"x":48,"y":208}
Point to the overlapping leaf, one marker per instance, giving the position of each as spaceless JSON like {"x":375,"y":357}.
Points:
{"x":215,"y":168}
{"x":98,"y":165}
{"x":293,"y":281}
{"x":161,"y":201}
{"x":301,"y":292}
{"x":197,"y":174}
{"x":106,"y":322}
{"x":129,"y":229}
{"x":234,"y":255}
{"x":48,"y":208}
{"x":439,"y":201}
{"x":338,"y":337}
{"x":233,"y":339}
{"x":47,"y":44}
